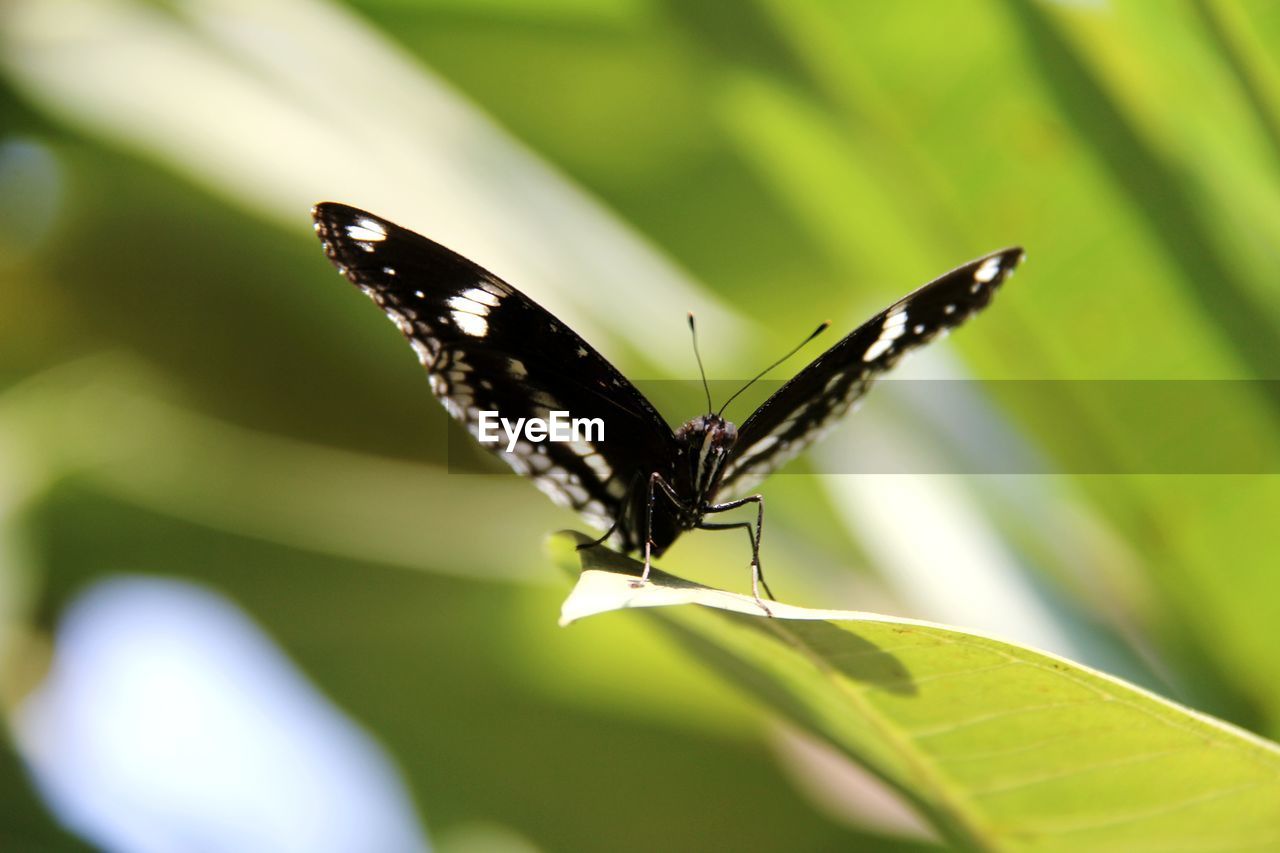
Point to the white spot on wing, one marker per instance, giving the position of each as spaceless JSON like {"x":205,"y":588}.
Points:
{"x":877,"y":349}
{"x":988,"y":270}
{"x":894,"y":327}
{"x":471,"y":324}
{"x":454,"y":407}
{"x":424,"y":353}
{"x":475,"y":294}
{"x":470,"y":306}
{"x":763,"y":444}
{"x":595,"y":512}
{"x":599,"y":466}
{"x":552,"y":489}
{"x":543,"y":398}
{"x":401,"y":321}
{"x":760,"y":447}
{"x":367,"y":230}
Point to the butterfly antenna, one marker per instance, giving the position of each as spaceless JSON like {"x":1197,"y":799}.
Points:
{"x":759,"y":375}
{"x":693,"y":330}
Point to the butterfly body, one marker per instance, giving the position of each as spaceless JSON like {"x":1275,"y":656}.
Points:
{"x":705,"y":443}
{"x":486,"y":346}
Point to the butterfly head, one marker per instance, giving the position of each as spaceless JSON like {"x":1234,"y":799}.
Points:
{"x":709,"y":429}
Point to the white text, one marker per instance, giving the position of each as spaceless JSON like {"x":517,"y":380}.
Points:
{"x":557,"y":426}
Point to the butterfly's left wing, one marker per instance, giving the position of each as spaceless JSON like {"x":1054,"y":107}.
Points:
{"x":805,"y":408}
{"x":488,"y":347}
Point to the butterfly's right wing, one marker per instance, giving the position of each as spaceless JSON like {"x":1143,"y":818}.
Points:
{"x":810,"y":404}
{"x":488,"y":347}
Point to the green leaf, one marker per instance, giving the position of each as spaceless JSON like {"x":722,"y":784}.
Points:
{"x":998,"y":745}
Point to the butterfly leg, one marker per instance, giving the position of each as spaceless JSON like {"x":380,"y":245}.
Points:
{"x":655,"y":481}
{"x":601,"y":539}
{"x":750,"y":528}
{"x":621,"y":519}
{"x":757,"y":575}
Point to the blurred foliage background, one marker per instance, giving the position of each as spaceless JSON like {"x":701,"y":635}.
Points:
{"x":190,"y":392}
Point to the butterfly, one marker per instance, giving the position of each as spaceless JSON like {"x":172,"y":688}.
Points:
{"x":487,"y":347}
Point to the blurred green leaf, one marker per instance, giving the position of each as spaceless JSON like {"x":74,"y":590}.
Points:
{"x":1143,"y":170}
{"x":1229,"y":30}
{"x":1000,"y":746}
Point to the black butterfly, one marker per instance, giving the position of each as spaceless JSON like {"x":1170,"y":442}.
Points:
{"x":486,"y":346}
